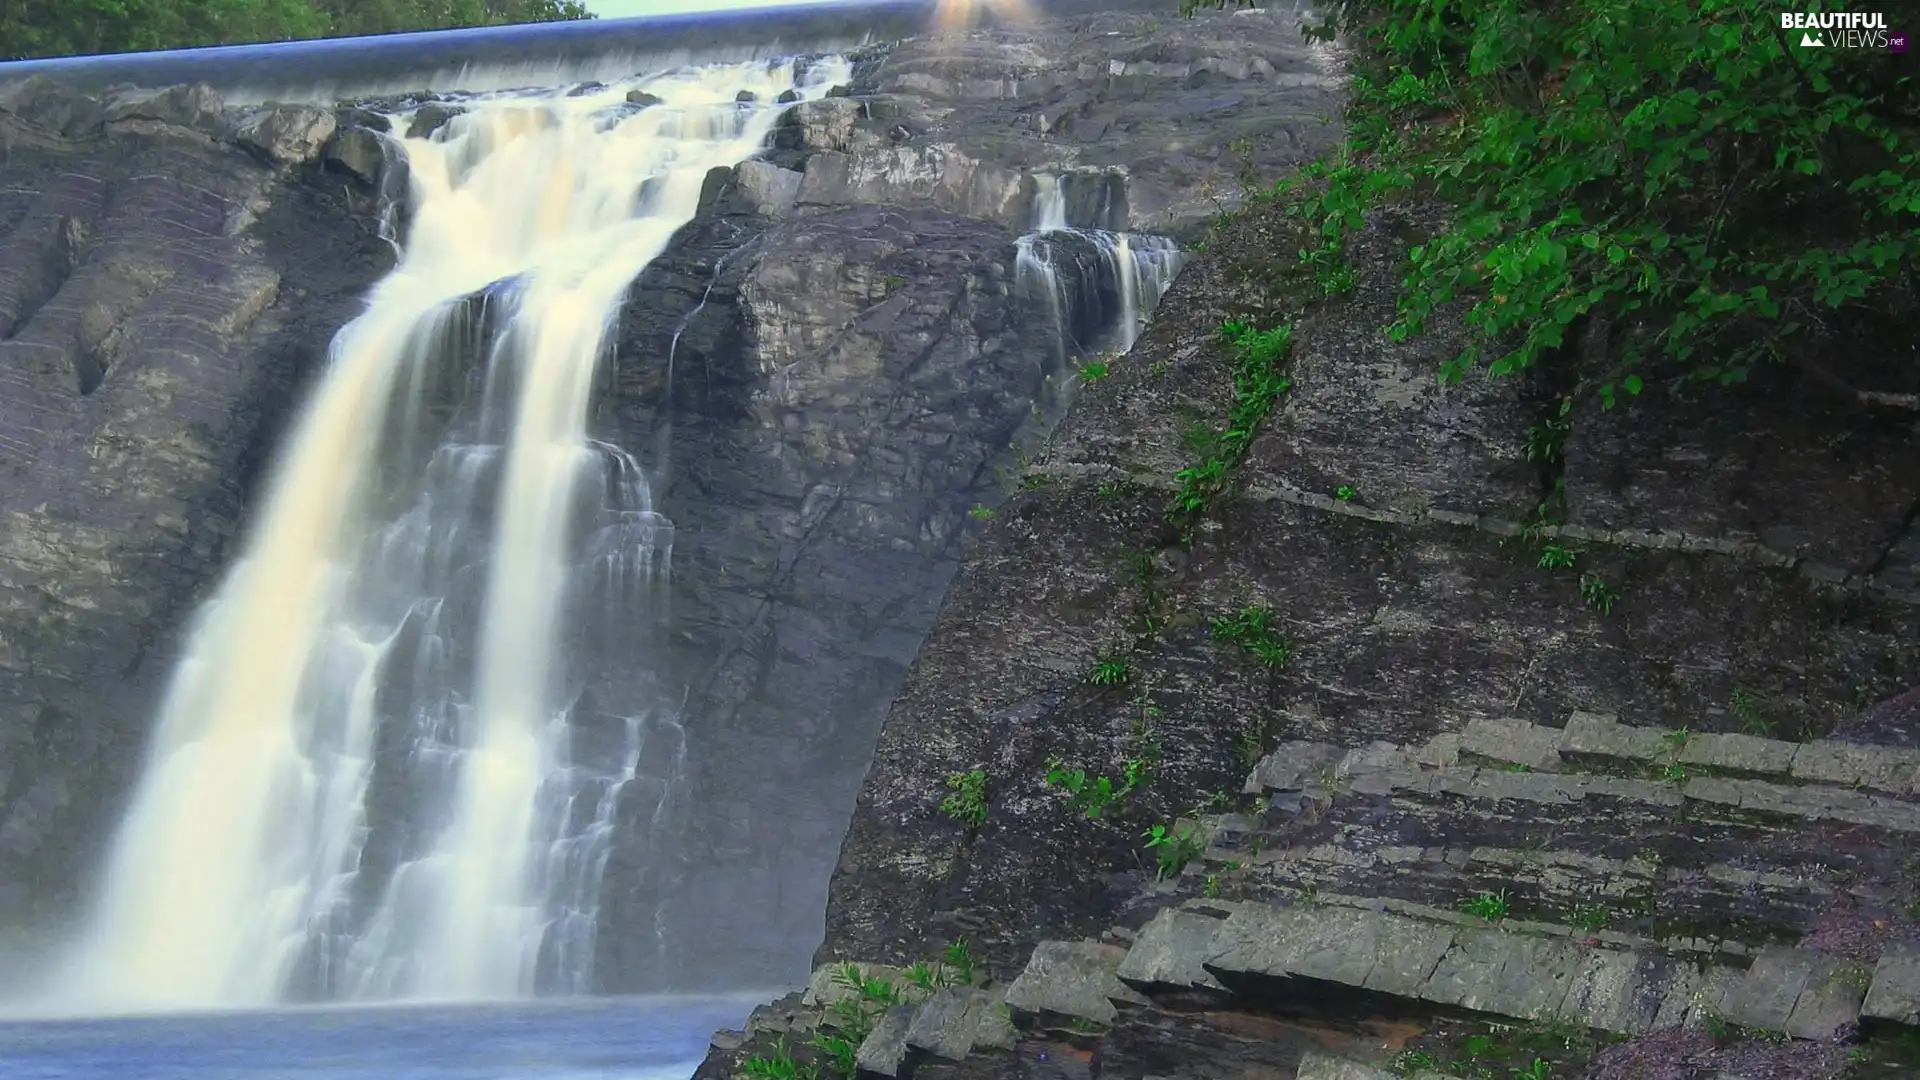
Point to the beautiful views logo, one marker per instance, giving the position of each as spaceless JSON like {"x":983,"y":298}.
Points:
{"x":1844,"y":30}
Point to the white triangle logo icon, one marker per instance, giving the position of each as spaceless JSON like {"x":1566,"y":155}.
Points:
{"x":1808,"y":41}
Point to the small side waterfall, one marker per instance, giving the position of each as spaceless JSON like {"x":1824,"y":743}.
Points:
{"x":369,"y":778}
{"x":1135,"y":271}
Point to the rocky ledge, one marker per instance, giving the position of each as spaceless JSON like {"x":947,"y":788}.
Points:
{"x":1368,"y":769}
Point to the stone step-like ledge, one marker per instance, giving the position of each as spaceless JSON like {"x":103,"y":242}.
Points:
{"x":1388,"y":770}
{"x":1714,"y":950}
{"x":1487,"y":969}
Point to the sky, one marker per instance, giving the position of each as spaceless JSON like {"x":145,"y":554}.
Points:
{"x":620,"y":9}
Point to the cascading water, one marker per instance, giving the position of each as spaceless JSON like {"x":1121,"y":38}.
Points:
{"x":366,"y":781}
{"x":1137,"y":267}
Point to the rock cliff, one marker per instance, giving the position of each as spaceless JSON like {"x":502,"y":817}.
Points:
{"x":1366,"y":770}
{"x":828,"y":372}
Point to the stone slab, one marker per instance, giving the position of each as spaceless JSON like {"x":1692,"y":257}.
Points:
{"x":1295,"y":766}
{"x":1831,"y":1000}
{"x":1072,"y":978}
{"x":1764,"y":998}
{"x":1744,"y":753}
{"x":1171,"y":949}
{"x":1513,"y":740}
{"x":1884,"y":768}
{"x":1593,"y":733}
{"x":884,"y":1050}
{"x":1894,"y":994}
{"x":1315,"y":1065}
{"x":957,"y":1020}
{"x":1509,"y":974}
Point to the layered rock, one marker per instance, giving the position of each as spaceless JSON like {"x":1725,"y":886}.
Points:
{"x":1374,"y":616}
{"x":167,"y":280}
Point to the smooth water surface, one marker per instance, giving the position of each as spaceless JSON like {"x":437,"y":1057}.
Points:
{"x":577,"y":1039}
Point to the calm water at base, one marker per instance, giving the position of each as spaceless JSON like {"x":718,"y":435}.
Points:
{"x":593,"y":1039}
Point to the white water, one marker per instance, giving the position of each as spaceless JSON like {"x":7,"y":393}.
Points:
{"x":1139,"y":267}
{"x":239,"y":864}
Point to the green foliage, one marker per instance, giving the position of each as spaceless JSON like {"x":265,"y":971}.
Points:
{"x":1490,"y":906}
{"x":1095,"y":371}
{"x":39,"y":28}
{"x":968,"y":803}
{"x":778,"y":1064}
{"x":1599,"y":595}
{"x":1346,"y":493}
{"x":1557,"y":557}
{"x":1110,"y":671}
{"x":1257,"y":385}
{"x":1547,"y":440}
{"x":1681,"y":178}
{"x":1409,"y":1062}
{"x":1591,"y":918}
{"x":1751,"y":712}
{"x":1092,"y":795}
{"x":1172,"y":850}
{"x":959,"y":957}
{"x":1251,"y":628}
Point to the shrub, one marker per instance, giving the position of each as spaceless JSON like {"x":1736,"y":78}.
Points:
{"x":1683,"y":179}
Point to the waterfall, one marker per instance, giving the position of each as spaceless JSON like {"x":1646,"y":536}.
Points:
{"x":367,"y":779}
{"x":1135,"y":269}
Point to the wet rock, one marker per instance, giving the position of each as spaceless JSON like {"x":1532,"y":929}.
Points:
{"x":354,"y":116}
{"x":430,"y":118}
{"x":642,"y":98}
{"x":746,"y":97}
{"x":195,"y":108}
{"x":359,"y":152}
{"x":166,"y":295}
{"x":767,"y":188}
{"x":52,"y":105}
{"x":287,"y":134}
{"x":788,"y":97}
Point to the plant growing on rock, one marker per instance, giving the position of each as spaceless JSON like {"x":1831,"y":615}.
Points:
{"x":958,"y":956}
{"x":1599,"y":595}
{"x":968,"y":803}
{"x":852,"y":1016}
{"x":778,"y":1064}
{"x":1258,"y":383}
{"x":1092,"y":795}
{"x":1095,"y":371}
{"x":1491,"y":906}
{"x":1251,"y":628}
{"x":1111,"y":670}
{"x":1173,"y":850}
{"x":1591,"y":918}
{"x":1557,"y":557}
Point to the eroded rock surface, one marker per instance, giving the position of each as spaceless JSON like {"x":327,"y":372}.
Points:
{"x":1453,"y":723}
{"x":162,"y":296}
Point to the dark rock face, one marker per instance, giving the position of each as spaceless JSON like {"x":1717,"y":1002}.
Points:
{"x":1416,"y":609}
{"x":162,"y":297}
